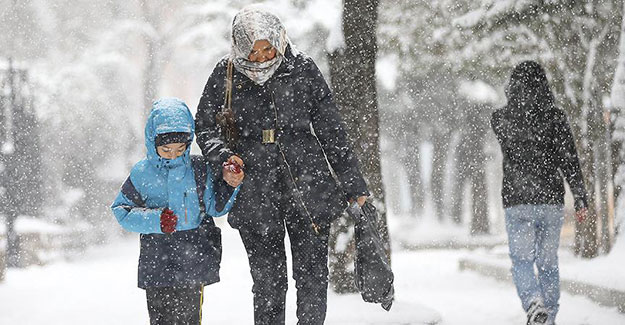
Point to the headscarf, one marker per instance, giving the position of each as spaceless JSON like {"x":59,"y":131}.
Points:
{"x":253,"y":24}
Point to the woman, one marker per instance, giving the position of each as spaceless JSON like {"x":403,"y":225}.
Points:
{"x":287,"y":124}
{"x":537,"y":144}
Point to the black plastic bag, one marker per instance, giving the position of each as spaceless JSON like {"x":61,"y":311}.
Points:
{"x":373,"y":274}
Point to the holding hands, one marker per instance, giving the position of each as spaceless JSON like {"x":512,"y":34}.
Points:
{"x":233,"y":171}
{"x":581,"y":214}
{"x":360,"y":200}
{"x":233,"y":175}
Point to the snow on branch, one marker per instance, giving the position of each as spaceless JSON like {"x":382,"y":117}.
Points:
{"x":489,"y":10}
{"x":478,"y":91}
{"x":470,"y":19}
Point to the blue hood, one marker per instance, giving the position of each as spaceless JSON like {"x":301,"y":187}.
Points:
{"x":168,"y":114}
{"x":156,"y":183}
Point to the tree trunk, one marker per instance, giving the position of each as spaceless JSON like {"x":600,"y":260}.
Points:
{"x":586,"y":230}
{"x":352,"y":71}
{"x":592,"y":116}
{"x":479,"y":121}
{"x":617,"y":98}
{"x":479,"y":201}
{"x":151,"y":71}
{"x":440,"y":142}
{"x":150,"y":77}
{"x":13,"y":243}
{"x":412,"y":164}
{"x":458,"y":189}
{"x":8,"y":162}
{"x":604,"y":178}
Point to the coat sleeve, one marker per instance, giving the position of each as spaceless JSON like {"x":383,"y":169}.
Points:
{"x":130,"y":211}
{"x":330,"y":130}
{"x":496,"y":125}
{"x":569,"y":161}
{"x":219,"y":196}
{"x":500,"y":126}
{"x":207,"y":131}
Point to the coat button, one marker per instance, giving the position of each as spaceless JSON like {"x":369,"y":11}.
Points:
{"x":239,"y":86}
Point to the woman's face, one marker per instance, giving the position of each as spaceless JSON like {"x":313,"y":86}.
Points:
{"x":171,"y":150}
{"x":262,"y":51}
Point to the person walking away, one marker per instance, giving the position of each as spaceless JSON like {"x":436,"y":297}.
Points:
{"x":538,"y":152}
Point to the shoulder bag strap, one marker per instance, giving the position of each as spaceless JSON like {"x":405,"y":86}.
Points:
{"x":300,"y":197}
{"x":228,"y":95}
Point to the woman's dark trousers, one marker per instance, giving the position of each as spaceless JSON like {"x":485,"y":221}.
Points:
{"x":267,"y":260}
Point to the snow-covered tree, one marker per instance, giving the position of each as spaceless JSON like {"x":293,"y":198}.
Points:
{"x":21,"y":180}
{"x":424,"y":105}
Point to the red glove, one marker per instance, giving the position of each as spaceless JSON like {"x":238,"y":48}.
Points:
{"x":168,"y":221}
{"x":232,"y":166}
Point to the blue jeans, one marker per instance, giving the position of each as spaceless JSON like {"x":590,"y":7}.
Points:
{"x":533,"y":238}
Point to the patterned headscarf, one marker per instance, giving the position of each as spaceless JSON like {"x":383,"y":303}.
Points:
{"x":253,"y":24}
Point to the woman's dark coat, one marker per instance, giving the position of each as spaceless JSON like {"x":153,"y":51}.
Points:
{"x":536,"y":142}
{"x":309,"y":129}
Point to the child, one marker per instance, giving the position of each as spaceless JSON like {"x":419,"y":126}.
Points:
{"x":165,"y":199}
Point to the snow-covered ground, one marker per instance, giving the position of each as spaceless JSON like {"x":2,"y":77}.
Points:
{"x":100,"y":288}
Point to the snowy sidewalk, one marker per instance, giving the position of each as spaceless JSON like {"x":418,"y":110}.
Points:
{"x":600,"y":279}
{"x":101,"y":289}
{"x":472,"y":298}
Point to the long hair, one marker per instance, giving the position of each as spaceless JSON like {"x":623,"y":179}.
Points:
{"x":530,"y":99}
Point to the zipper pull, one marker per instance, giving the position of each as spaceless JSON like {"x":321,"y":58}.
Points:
{"x":185,"y":208}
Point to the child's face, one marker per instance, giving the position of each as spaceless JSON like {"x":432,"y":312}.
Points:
{"x":171,"y":150}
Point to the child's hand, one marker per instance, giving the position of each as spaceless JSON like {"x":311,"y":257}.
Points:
{"x":233,"y":171}
{"x":168,"y":221}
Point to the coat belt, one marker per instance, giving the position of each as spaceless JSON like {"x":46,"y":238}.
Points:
{"x":269,"y":136}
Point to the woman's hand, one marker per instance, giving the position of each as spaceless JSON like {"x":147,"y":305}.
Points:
{"x":361,"y":200}
{"x":233,"y":171}
{"x":580,"y":215}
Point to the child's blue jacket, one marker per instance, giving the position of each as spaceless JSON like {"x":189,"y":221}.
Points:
{"x":191,"y":255}
{"x":156,"y":183}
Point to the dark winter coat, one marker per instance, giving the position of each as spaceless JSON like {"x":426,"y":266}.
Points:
{"x":536,"y":143}
{"x":309,"y":129}
{"x":191,"y":255}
